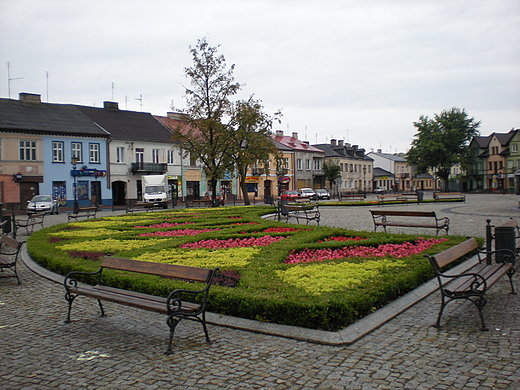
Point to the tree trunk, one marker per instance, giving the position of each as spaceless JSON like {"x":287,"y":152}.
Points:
{"x":243,"y":187}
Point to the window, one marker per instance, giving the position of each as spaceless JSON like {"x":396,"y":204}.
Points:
{"x":514,"y":148}
{"x":193,"y":159}
{"x":299,"y":164}
{"x":28,"y":150}
{"x":341,"y":167}
{"x":94,"y":153}
{"x":57,"y":151}
{"x":77,"y":151}
{"x":317,"y":165}
{"x":120,"y":154}
{"x":286,"y":163}
{"x":170,"y":156}
{"x":155,"y":156}
{"x":351,"y":168}
{"x":308,"y":164}
{"x":0,"y":150}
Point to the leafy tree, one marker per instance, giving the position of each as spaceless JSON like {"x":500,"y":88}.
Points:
{"x":224,"y":135}
{"x":442,"y":142}
{"x":252,"y":141}
{"x":331,"y":171}
{"x":208,"y":105}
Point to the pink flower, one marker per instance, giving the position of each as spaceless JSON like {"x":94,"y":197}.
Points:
{"x":232,"y":243}
{"x":394,"y":250}
{"x":164,"y":225}
{"x":177,"y":233}
{"x":343,"y":238}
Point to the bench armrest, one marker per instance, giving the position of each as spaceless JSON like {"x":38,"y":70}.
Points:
{"x":509,"y":255}
{"x":478,"y":285}
{"x":71,"y":281}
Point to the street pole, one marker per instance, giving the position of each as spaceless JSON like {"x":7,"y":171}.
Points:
{"x":75,"y":189}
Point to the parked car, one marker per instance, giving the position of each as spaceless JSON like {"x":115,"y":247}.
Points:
{"x":322,"y":193}
{"x":380,"y":190}
{"x":43,"y":204}
{"x":289,"y":195}
{"x":308,"y":193}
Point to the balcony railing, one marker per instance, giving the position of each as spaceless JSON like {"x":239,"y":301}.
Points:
{"x":139,"y":167}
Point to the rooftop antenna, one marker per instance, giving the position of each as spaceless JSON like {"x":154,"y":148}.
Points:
{"x":9,"y":79}
{"x":140,"y":98}
{"x":126,"y":102}
{"x":112,"y":91}
{"x":305,"y":131}
{"x":47,"y":84}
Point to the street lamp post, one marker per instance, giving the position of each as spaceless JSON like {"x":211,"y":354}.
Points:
{"x":96,"y":187}
{"x":75,"y":189}
{"x":364,"y":181}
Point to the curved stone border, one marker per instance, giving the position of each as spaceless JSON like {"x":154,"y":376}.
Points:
{"x":346,"y":336}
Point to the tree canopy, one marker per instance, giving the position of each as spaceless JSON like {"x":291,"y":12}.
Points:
{"x":331,"y":171}
{"x":442,"y":142}
{"x":216,"y":127}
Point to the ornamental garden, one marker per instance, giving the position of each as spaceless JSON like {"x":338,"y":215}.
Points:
{"x":309,"y":276}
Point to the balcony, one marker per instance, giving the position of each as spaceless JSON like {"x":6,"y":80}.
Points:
{"x":151,"y":168}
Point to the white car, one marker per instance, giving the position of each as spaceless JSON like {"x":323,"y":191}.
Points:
{"x":308,"y":193}
{"x":43,"y":204}
{"x":322,"y":193}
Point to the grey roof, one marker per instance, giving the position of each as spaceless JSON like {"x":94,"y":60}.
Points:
{"x":128,"y":125}
{"x":377,"y":172}
{"x":388,"y":156}
{"x":45,"y":118}
{"x":343,"y":151}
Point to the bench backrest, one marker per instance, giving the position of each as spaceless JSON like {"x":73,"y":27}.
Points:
{"x":455,"y":252}
{"x":403,"y":213}
{"x":11,"y":242}
{"x":169,"y":270}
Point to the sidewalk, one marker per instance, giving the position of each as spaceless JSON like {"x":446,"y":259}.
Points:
{"x":125,"y":349}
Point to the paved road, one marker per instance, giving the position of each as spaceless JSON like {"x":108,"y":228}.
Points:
{"x":124,"y":350}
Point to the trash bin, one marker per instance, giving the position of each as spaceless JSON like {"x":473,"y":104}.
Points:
{"x":6,"y":227}
{"x":420,"y":196}
{"x":505,"y":238}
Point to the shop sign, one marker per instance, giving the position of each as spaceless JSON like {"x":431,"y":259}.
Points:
{"x":252,"y":179}
{"x":284,"y":179}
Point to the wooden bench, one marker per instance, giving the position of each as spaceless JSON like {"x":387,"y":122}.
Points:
{"x":87,"y":212}
{"x":28,"y":223}
{"x":200,"y":203}
{"x":144,"y":206}
{"x":410,"y":197}
{"x":380,"y":218}
{"x":391,"y":198}
{"x":474,"y":282}
{"x":438,"y":196}
{"x":9,"y":252}
{"x":175,"y":307}
{"x":351,"y":197}
{"x":307,"y":212}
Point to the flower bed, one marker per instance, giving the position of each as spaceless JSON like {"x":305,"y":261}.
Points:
{"x":316,"y":277}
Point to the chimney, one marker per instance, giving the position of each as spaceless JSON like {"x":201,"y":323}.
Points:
{"x":30,"y":98}
{"x":279,"y":133}
{"x":295,"y":135}
{"x":114,"y":106}
{"x":340,"y":142}
{"x":333,"y":142}
{"x":178,"y":116}
{"x":355,"y":147}
{"x":379,"y":150}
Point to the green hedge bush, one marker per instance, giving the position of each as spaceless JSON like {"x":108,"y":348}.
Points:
{"x":262,"y":293}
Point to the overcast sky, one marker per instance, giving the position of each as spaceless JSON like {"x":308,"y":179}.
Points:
{"x":362,"y":71}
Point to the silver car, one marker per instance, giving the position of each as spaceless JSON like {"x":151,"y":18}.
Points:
{"x":43,"y":204}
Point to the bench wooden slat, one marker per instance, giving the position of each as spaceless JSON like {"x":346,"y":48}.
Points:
{"x":146,"y":267}
{"x":455,"y":252}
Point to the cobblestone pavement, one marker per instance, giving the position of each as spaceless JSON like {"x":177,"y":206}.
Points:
{"x":125,"y":349}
